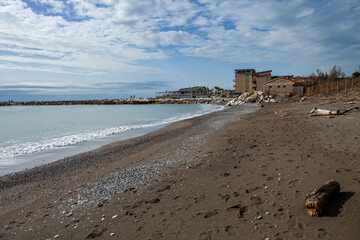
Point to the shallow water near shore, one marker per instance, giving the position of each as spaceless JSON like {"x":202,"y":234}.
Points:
{"x":36,"y":135}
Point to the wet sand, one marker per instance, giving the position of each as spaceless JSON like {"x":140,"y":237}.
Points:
{"x":220,"y":176}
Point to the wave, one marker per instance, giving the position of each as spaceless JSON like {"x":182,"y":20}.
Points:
{"x":55,"y":143}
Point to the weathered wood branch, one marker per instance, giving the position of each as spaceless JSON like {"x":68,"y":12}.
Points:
{"x":322,"y":112}
{"x":315,"y":201}
{"x":350,"y":109}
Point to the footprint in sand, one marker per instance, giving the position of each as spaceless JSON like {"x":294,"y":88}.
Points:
{"x":210,"y":214}
{"x":96,"y":233}
{"x":238,"y":208}
{"x":256,"y":200}
{"x":298,"y":194}
{"x":322,"y":233}
{"x":225,"y":197}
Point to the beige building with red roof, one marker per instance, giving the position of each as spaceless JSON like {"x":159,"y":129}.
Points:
{"x":283,"y":86}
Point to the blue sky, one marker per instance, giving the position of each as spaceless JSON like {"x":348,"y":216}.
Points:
{"x":86,"y":49}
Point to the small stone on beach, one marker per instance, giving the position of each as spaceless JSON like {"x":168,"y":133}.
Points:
{"x":69,"y":214}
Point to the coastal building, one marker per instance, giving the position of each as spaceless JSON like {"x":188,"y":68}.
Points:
{"x":283,"y":76}
{"x":191,"y":92}
{"x":283,"y":86}
{"x":248,"y":80}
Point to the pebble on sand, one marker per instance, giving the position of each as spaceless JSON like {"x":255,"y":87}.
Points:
{"x":69,"y":214}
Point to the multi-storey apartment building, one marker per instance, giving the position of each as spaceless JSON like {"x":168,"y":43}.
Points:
{"x":248,"y":80}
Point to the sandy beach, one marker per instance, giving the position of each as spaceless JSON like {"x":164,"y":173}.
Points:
{"x":241,"y":173}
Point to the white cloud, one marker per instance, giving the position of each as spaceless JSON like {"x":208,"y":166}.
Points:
{"x":305,"y":13}
{"x":113,"y":36}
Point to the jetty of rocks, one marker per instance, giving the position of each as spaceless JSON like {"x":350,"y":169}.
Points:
{"x":121,"y":101}
{"x":257,"y":97}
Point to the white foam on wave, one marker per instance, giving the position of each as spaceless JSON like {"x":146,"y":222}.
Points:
{"x":49,"y":144}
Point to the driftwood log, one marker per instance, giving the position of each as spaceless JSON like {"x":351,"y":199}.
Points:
{"x":315,"y":201}
{"x":322,"y":112}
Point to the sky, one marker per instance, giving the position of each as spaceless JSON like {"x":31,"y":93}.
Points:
{"x":105,"y":49}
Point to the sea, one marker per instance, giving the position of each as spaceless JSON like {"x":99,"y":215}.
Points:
{"x":31,"y":136}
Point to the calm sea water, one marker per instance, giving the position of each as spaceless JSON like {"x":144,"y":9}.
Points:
{"x":34,"y":135}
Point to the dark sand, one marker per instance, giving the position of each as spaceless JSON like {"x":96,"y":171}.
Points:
{"x":220,"y":176}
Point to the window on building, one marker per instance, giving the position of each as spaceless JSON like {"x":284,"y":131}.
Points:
{"x":270,"y":86}
{"x":247,"y":77}
{"x":247,"y":83}
{"x":279,"y":86}
{"x":246,"y":89}
{"x":267,"y":79}
{"x":284,"y":86}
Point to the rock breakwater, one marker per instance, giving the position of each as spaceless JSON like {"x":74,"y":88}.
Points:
{"x":257,"y":97}
{"x":121,"y":101}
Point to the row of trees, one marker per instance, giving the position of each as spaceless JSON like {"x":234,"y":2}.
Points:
{"x":333,"y":75}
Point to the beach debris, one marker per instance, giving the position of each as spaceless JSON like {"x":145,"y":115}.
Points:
{"x":259,"y":217}
{"x":329,"y":116}
{"x":322,"y":112}
{"x":315,"y":201}
{"x":112,"y":234}
{"x":69,"y":214}
{"x":115,"y":216}
{"x":352,"y":102}
{"x":56,"y":236}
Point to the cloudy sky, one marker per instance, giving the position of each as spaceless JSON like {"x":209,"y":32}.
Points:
{"x":86,"y":49}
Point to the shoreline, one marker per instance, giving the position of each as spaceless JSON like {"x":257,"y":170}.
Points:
{"x":232,"y":169}
{"x":88,"y":158}
{"x":23,"y":159}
